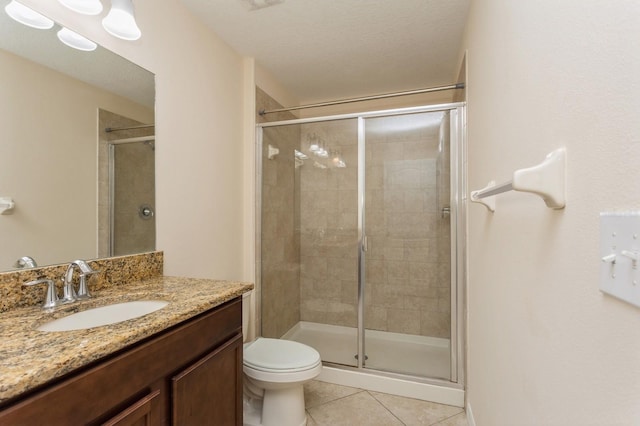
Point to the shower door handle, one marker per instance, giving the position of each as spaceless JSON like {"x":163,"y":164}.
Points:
{"x":445,"y":212}
{"x":365,"y":243}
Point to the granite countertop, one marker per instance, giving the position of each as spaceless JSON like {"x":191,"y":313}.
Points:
{"x":29,"y":358}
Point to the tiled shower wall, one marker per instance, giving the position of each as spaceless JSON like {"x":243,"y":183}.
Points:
{"x":280,"y":251}
{"x":328,"y":226}
{"x":408,"y":261}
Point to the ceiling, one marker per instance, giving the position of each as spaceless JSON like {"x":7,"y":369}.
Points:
{"x":334,"y":49}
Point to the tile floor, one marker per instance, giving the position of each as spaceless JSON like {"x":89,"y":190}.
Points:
{"x":333,"y":405}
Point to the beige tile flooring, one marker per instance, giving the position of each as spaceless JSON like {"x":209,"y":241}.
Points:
{"x":333,"y":405}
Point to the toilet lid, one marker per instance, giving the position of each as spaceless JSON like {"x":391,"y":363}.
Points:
{"x":281,"y":355}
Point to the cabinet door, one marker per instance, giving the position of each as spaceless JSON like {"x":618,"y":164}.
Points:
{"x":209,"y":392}
{"x":138,"y":414}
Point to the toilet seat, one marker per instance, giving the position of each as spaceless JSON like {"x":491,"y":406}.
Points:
{"x":279,"y":356}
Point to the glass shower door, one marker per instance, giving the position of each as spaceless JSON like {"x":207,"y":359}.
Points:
{"x":132,"y":197}
{"x":407,"y":311}
{"x":309,"y":265}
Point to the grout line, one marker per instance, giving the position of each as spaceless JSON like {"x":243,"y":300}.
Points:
{"x":386,"y":408}
{"x":309,"y":415}
{"x":337,"y":399}
{"x":447,"y":418}
{"x":432,"y":424}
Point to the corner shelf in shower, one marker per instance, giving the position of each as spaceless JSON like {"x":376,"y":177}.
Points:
{"x":546,"y":180}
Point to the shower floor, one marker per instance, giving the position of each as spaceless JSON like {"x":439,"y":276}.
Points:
{"x":391,"y":352}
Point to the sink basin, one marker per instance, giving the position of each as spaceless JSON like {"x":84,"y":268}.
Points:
{"x":104,"y":315}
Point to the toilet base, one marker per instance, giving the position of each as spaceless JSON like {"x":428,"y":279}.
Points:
{"x":279,"y":407}
{"x":251,"y":411}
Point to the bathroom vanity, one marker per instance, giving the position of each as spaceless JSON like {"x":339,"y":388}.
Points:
{"x":180,"y":365}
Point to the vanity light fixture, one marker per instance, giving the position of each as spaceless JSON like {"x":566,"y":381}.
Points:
{"x":75,"y":40}
{"x":85,"y":7}
{"x":120,"y":21}
{"x":28,"y":16}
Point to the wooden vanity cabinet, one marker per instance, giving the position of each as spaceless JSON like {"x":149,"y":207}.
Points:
{"x":190,"y":374}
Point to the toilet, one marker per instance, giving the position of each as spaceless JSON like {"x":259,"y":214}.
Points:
{"x":275,"y":371}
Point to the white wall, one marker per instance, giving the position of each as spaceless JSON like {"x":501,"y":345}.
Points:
{"x":546,"y":347}
{"x":199,"y":133}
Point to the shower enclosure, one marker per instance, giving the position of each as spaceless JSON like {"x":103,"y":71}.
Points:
{"x":132,"y":195}
{"x":361,"y":239}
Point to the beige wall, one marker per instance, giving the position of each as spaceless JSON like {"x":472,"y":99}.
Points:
{"x":49,"y":154}
{"x":199,"y":133}
{"x":546,"y":347}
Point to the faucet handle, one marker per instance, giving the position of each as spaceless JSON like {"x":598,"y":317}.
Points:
{"x":83,"y":289}
{"x":51,"y":298}
{"x":85,"y":273}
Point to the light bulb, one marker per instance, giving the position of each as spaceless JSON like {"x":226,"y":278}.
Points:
{"x":120,"y":21}
{"x":85,"y":7}
{"x":75,"y":40}
{"x":27,"y":16}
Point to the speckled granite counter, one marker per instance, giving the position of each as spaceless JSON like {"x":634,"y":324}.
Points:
{"x":29,"y":358}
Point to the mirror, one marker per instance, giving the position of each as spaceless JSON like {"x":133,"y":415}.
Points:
{"x":59,"y":167}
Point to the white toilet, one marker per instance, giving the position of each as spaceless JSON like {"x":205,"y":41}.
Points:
{"x":274,"y":372}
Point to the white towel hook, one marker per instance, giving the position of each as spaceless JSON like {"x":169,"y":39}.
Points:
{"x":6,"y":205}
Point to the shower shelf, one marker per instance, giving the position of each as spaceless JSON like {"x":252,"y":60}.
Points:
{"x":547,"y":180}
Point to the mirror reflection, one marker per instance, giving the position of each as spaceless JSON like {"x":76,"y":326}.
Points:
{"x":77,"y":149}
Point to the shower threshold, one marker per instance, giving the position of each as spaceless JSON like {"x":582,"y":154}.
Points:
{"x":422,"y":356}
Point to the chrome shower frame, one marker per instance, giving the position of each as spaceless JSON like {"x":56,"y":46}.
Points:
{"x":458,"y":216}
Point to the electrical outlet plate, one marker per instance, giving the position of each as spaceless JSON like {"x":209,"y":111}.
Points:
{"x":620,"y":256}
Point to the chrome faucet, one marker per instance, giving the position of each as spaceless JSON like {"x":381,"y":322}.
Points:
{"x":69,"y":295}
{"x":68,"y":292}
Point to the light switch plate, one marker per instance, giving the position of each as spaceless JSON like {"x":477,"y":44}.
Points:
{"x":620,"y":255}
